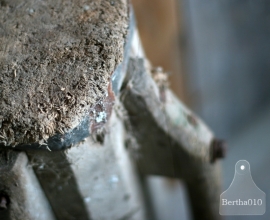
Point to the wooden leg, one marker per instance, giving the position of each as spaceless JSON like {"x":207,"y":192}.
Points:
{"x":171,"y":140}
{"x":203,"y":190}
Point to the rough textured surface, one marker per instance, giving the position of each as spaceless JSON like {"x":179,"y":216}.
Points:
{"x":56,"y":59}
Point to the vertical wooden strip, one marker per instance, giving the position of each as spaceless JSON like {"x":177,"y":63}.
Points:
{"x":59,"y":184}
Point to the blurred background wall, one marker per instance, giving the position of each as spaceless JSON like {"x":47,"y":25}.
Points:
{"x":217,"y":51}
{"x":159,"y":28}
{"x":228,"y":54}
{"x":219,"y":55}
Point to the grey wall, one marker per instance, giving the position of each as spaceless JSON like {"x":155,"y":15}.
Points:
{"x":228,"y":54}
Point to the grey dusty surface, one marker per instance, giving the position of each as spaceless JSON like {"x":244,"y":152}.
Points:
{"x":91,"y":180}
{"x":56,"y":59}
{"x":24,"y":197}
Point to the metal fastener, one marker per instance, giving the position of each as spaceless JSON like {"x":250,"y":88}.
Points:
{"x":217,"y":149}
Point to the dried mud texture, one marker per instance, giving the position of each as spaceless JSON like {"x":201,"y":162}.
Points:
{"x":56,"y":59}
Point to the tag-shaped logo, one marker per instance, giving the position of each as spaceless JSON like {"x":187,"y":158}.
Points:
{"x":243,"y":196}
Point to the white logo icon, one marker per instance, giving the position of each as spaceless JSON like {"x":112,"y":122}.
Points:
{"x":243,"y":196}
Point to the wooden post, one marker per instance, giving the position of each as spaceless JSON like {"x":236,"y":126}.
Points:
{"x":171,"y":140}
